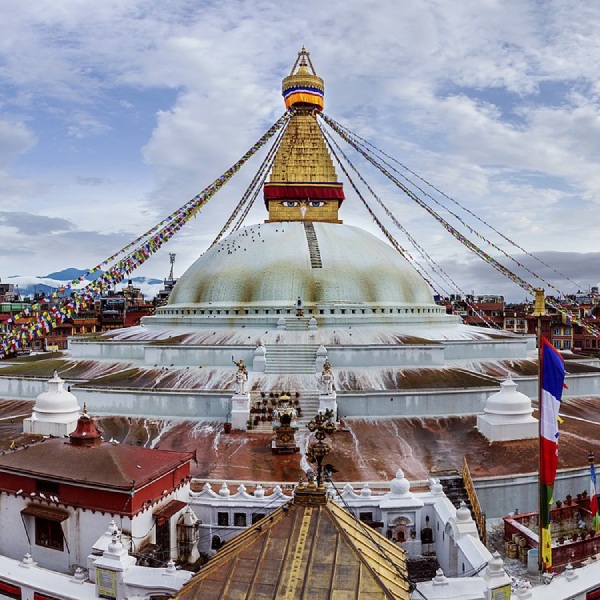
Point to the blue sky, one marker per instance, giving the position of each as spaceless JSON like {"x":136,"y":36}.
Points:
{"x":113,"y":114}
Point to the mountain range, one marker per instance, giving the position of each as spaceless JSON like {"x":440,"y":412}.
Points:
{"x":28,"y":286}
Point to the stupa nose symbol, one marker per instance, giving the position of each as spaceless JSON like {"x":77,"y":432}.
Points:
{"x":303,"y":210}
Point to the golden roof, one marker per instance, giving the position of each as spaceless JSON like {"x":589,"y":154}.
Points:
{"x":304,"y":550}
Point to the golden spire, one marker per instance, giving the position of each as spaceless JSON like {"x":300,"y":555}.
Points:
{"x":301,"y":87}
{"x":303,"y":185}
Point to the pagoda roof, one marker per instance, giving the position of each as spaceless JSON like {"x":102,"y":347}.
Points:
{"x":106,"y":465}
{"x":309,"y":548}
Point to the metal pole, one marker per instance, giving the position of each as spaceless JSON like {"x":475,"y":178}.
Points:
{"x":538,"y":311}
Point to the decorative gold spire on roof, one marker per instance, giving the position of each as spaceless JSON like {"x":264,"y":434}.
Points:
{"x":301,"y":87}
{"x":303,"y":185}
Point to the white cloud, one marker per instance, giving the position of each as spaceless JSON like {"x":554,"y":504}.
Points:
{"x":15,"y":139}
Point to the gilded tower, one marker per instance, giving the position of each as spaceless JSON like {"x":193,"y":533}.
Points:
{"x":303,"y":185}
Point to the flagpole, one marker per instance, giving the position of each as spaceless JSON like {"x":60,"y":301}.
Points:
{"x":539,"y":310}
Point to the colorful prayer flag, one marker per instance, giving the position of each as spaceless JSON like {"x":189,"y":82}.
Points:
{"x":593,"y":498}
{"x":552,"y":377}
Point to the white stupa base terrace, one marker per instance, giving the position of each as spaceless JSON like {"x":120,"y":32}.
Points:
{"x":498,"y":429}
{"x":187,"y":373}
{"x":54,"y":428}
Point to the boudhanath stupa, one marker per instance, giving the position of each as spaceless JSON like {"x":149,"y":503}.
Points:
{"x":305,"y":304}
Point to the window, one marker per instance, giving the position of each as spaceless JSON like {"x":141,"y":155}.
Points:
{"x":48,"y":533}
{"x":256,"y":517}
{"x":239,"y":519}
{"x":557,"y":331}
{"x":223,"y":519}
{"x":556,"y":343}
{"x":40,"y":596}
{"x":567,"y":344}
{"x":9,"y":590}
{"x":47,"y":487}
{"x":365,"y":516}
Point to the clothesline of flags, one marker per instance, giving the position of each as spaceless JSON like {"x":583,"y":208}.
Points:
{"x":70,"y":300}
{"x":350,"y":138}
{"x":393,"y":241}
{"x":36,"y":324}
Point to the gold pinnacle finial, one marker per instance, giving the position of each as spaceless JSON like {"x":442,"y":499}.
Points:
{"x":303,"y":87}
{"x":539,"y":307}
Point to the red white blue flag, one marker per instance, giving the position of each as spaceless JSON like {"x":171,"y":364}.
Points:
{"x":552,"y":379}
{"x":593,"y":498}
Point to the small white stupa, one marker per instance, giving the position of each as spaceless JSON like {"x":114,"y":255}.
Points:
{"x":55,"y":412}
{"x":507,"y":415}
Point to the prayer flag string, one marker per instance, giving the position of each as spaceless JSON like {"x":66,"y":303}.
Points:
{"x":436,"y":268}
{"x":361,"y":140}
{"x":36,"y":321}
{"x":453,"y":231}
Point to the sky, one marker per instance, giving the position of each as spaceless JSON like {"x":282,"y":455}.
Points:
{"x":115,"y":113}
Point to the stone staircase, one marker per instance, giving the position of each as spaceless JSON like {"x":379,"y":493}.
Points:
{"x":454,"y":488}
{"x":290,"y":358}
{"x":309,"y":403}
{"x":313,"y":245}
{"x":296,"y":323}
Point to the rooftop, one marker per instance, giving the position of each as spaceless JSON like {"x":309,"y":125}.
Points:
{"x":106,"y":465}
{"x":307,"y":549}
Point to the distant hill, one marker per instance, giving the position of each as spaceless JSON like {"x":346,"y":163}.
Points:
{"x":29,"y":286}
{"x":70,"y":274}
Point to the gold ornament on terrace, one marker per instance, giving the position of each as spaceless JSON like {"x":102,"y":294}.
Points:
{"x":321,"y":425}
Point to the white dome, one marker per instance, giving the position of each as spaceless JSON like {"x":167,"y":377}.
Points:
{"x":508,"y":401}
{"x":274,"y":263}
{"x":399,"y":486}
{"x":56,"y":401}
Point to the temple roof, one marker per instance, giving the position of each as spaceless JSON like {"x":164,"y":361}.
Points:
{"x":310,"y":548}
{"x":107,"y":465}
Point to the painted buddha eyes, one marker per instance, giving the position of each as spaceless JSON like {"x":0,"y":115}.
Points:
{"x":311,"y":203}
